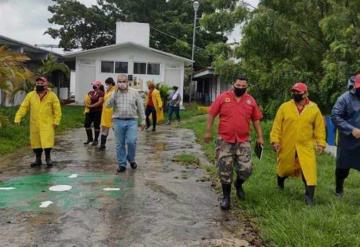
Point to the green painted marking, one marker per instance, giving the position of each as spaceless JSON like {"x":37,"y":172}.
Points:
{"x":87,"y":191}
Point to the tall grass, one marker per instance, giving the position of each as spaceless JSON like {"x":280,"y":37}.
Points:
{"x":13,"y":136}
{"x":282,"y":216}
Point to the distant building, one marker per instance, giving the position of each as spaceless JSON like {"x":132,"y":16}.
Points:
{"x":132,"y":56}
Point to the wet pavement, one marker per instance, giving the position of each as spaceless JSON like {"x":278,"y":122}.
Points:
{"x":162,"y":203}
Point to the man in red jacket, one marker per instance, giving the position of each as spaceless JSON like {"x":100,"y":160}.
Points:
{"x":236,"y":110}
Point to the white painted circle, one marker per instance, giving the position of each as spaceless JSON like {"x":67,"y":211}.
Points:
{"x":60,"y":188}
{"x":111,"y":189}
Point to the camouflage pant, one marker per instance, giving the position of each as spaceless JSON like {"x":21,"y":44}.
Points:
{"x":231,"y":156}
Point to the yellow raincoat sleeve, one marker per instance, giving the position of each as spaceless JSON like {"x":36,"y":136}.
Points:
{"x":56,"y":110}
{"x":158,"y":100}
{"x":276,"y":127}
{"x":319,"y":129}
{"x":23,"y":109}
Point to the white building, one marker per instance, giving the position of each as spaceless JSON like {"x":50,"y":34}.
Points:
{"x":131,"y":55}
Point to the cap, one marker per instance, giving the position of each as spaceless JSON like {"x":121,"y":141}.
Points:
{"x":300,"y":87}
{"x":357,"y":81}
{"x":41,"y":78}
{"x":96,"y":83}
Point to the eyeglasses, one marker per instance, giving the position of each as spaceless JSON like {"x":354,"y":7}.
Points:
{"x":121,"y":81}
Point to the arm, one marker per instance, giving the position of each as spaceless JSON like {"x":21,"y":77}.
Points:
{"x":140,"y":109}
{"x":23,"y":109}
{"x":259,"y":132}
{"x":338,"y":114}
{"x":98,"y":103}
{"x":159,"y":101}
{"x":275,"y":134}
{"x":319,"y":130}
{"x":210,"y":122}
{"x":56,"y":110}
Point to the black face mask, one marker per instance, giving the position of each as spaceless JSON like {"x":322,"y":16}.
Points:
{"x":357,"y":92}
{"x":95,"y":87}
{"x":297,"y":97}
{"x":39,"y":88}
{"x":239,"y":91}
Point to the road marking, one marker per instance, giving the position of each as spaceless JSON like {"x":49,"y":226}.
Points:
{"x":111,"y":189}
{"x":73,"y":176}
{"x":7,"y":188}
{"x":60,"y":188}
{"x":45,"y":204}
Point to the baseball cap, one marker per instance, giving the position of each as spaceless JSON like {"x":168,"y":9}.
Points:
{"x":301,"y":87}
{"x":357,"y":81}
{"x":41,"y":78}
{"x":96,"y":83}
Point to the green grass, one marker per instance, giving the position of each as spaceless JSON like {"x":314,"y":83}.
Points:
{"x":282,"y":216}
{"x":13,"y":136}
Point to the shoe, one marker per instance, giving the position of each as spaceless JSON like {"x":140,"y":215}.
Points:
{"x":49,"y":162}
{"x":89,"y":136}
{"x":153,"y":130}
{"x":281,"y":182}
{"x":121,"y":169}
{"x":102,"y":147}
{"x":36,"y":163}
{"x":95,"y":143}
{"x":239,"y":189}
{"x":309,"y":195}
{"x":339,"y":190}
{"x":133,"y":165}
{"x":225,"y":201}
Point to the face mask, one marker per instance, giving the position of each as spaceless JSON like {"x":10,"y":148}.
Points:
{"x":40,"y":88}
{"x":106,"y":87}
{"x":122,"y":85}
{"x":95,"y":87}
{"x":239,"y":91}
{"x":297,"y":97}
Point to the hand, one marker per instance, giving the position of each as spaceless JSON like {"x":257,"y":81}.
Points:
{"x":17,"y":123}
{"x":260,"y":140}
{"x":54,"y":126}
{"x":207,"y":136}
{"x":142,"y":127}
{"x":356,"y":133}
{"x":320,"y":149}
{"x":276,"y":147}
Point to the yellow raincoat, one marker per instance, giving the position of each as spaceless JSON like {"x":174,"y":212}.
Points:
{"x":43,"y":115}
{"x":87,"y":101}
{"x":106,"y":115}
{"x":297,"y":134}
{"x":158,"y":104}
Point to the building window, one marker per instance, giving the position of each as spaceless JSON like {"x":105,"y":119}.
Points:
{"x":153,"y":69}
{"x":121,"y":67}
{"x":140,"y":68}
{"x":107,"y":67}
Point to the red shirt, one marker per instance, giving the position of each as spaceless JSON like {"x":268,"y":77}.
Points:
{"x":235,"y":116}
{"x":94,"y":97}
{"x":150,"y":101}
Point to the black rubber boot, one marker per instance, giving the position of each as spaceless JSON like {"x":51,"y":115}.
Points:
{"x":309,"y":195}
{"x":239,"y":189}
{"x":339,"y":190}
{"x":225,"y":202}
{"x":89,"y":136}
{"x":97,"y":133}
{"x":102,"y":142}
{"x":38,"y":153}
{"x":281,"y":182}
{"x":48,"y":160}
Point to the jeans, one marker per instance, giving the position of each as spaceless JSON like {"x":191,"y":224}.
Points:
{"x":125,"y":135}
{"x":173,"y":109}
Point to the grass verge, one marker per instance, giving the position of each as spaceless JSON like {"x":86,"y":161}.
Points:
{"x":14,"y":137}
{"x":281,"y":216}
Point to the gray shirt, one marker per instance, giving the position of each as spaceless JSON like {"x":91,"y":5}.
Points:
{"x":127,"y":104}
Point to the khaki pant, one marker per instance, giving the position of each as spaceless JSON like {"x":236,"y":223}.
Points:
{"x":231,"y":156}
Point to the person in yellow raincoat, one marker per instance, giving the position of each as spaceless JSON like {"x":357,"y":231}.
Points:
{"x":45,"y":115}
{"x":297,"y":130}
{"x":106,"y":115}
{"x":154,"y":106}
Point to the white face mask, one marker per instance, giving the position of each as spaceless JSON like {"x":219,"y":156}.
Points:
{"x":106,"y":87}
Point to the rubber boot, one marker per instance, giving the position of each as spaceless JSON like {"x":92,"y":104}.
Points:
{"x":48,"y":160}
{"x":102,"y":142}
{"x":97,"y":133}
{"x":239,"y":189}
{"x":38,"y":153}
{"x":339,"y":191}
{"x":89,"y":136}
{"x":281,"y":182}
{"x":309,"y":195}
{"x":225,"y":202}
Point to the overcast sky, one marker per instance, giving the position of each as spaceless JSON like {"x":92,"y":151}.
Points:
{"x":27,"y":20}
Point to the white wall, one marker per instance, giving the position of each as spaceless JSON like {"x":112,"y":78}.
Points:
{"x":130,"y":54}
{"x":135,"y":32}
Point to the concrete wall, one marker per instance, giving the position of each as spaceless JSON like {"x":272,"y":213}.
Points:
{"x":88,"y":68}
